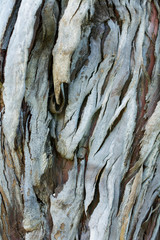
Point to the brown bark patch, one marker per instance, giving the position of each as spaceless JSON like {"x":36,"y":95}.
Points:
{"x":57,"y":235}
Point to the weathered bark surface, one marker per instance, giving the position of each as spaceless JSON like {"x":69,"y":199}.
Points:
{"x":80,"y":119}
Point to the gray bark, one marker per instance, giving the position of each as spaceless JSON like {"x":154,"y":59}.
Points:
{"x":80,"y":119}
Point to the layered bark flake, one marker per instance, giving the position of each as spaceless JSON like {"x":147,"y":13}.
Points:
{"x":79,"y":120}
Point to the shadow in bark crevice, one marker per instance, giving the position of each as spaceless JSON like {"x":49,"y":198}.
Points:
{"x":10,"y":24}
{"x":95,"y":201}
{"x":125,"y":88}
{"x":114,"y":124}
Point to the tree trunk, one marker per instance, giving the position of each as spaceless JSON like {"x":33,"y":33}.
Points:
{"x":80,"y":119}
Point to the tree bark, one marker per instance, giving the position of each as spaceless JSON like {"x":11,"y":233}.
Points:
{"x":80,"y":119}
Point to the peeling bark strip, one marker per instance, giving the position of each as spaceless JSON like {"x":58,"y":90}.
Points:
{"x":15,"y":67}
{"x":70,"y":30}
{"x":79,"y":119}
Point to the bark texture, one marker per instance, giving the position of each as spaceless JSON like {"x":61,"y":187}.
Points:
{"x":80,"y":119}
